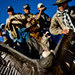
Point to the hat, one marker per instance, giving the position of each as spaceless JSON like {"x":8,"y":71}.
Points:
{"x":26,"y":6}
{"x":61,"y":1}
{"x":40,"y":5}
{"x":10,"y":9}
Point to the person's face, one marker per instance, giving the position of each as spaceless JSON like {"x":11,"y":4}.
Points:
{"x":26,"y":11}
{"x":42,"y":9}
{"x":10,"y":13}
{"x":62,"y":6}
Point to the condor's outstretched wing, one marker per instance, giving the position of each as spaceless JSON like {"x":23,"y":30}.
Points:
{"x":13,"y":62}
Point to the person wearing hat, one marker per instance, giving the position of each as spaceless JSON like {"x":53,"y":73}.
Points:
{"x":63,"y":20}
{"x":26,"y":9}
{"x":43,"y":18}
{"x":14,"y":18}
{"x":31,"y":27}
{"x":31,"y":21}
{"x":10,"y":12}
{"x":27,"y":14}
{"x":14,"y":22}
{"x":30,"y":18}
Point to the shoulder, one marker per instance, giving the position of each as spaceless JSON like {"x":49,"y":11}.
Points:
{"x":55,"y":16}
{"x":55,"y":19}
{"x":7,"y":20}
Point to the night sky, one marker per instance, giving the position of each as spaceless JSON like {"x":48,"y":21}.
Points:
{"x":18,"y":7}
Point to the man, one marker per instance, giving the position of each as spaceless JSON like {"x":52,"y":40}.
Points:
{"x":62,"y":23}
{"x":31,"y":21}
{"x":64,"y":18}
{"x":43,"y":18}
{"x":14,"y":22}
{"x":30,"y":18}
{"x":44,"y":22}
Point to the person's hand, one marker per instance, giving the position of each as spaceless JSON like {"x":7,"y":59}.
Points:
{"x":66,"y":31}
{"x":41,"y":9}
{"x":29,"y":19}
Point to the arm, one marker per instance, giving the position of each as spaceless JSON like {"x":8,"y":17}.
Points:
{"x":54,"y":27}
{"x":39,"y":15}
{"x":7,"y":24}
{"x":19,"y":17}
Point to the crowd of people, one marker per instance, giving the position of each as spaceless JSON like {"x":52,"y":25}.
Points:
{"x":32,"y":33}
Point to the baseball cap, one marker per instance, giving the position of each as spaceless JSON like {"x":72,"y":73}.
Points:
{"x":10,"y":9}
{"x":26,"y":6}
{"x":40,"y":5}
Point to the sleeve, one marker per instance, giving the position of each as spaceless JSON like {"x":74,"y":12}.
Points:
{"x":54,"y":27}
{"x":20,"y":17}
{"x":7,"y":24}
{"x":20,"y":20}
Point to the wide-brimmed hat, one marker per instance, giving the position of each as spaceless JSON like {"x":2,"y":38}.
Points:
{"x":61,"y":1}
